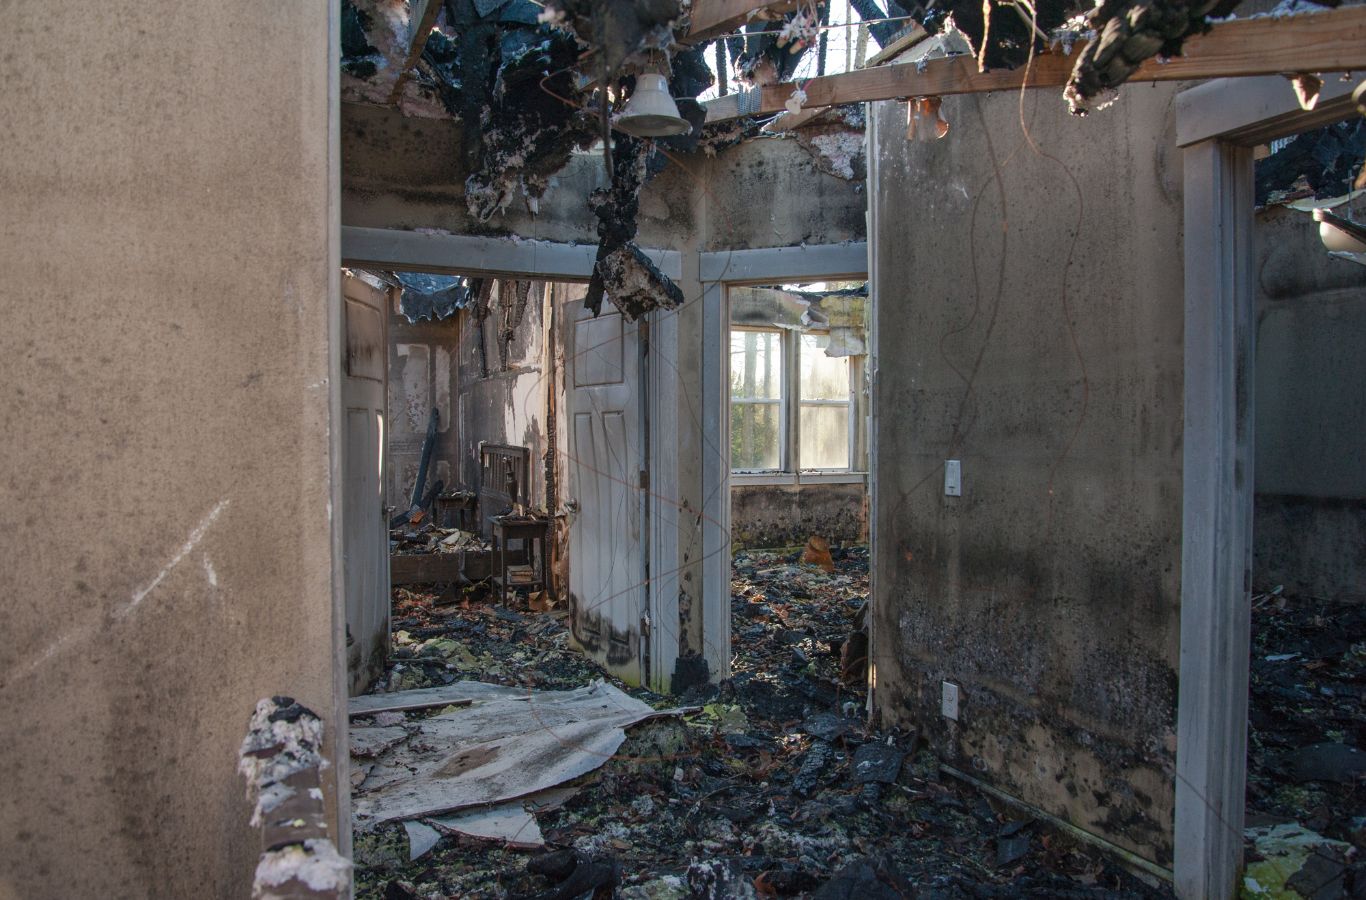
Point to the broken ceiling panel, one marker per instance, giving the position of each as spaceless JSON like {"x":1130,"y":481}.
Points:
{"x":621,"y":271}
{"x":633,"y":283}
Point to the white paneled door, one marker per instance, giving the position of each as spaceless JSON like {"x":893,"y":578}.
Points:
{"x":605,"y":468}
{"x":365,"y":366}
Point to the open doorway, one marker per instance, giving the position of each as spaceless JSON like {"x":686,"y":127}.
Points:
{"x":512,"y":415}
{"x":1266,"y":380}
{"x":1308,"y":604}
{"x":798,"y":407}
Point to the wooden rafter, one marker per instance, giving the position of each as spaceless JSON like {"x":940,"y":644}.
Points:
{"x":1328,"y":41}
{"x":905,"y":39}
{"x":422,"y":16}
{"x":715,"y":17}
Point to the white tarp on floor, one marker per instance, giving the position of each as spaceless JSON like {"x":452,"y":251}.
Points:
{"x":508,"y":743}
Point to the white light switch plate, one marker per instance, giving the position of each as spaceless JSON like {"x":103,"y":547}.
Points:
{"x":950,"y":704}
{"x":953,"y":478}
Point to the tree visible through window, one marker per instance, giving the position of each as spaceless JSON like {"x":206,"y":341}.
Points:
{"x":823,"y":412}
{"x":756,"y":400}
{"x":763,"y":402}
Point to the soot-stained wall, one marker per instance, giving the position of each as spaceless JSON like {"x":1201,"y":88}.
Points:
{"x":1309,"y":530}
{"x":503,"y":393}
{"x":785,"y":515}
{"x":1029,"y":310}
{"x":422,"y":377}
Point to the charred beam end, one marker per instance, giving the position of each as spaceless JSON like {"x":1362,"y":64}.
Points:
{"x":281,"y":757}
{"x":634,"y":284}
{"x":1128,"y":34}
{"x":621,"y":271}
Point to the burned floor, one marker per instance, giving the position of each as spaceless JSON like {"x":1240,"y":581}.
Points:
{"x":769,"y":784}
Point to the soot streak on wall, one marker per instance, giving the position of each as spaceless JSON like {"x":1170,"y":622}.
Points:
{"x":1049,"y":591}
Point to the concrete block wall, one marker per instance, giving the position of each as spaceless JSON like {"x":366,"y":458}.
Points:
{"x":1029,"y":310}
{"x":168,"y":248}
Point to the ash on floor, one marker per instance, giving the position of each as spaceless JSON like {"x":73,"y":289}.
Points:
{"x":773,"y":787}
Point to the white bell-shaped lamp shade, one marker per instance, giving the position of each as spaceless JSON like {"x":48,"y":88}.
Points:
{"x":651,"y":112}
{"x":1340,"y":235}
{"x":924,"y":121}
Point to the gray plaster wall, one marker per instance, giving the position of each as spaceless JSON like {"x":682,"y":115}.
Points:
{"x":509,"y":404}
{"x":770,"y":193}
{"x":422,"y":377}
{"x":1309,"y":530}
{"x":767,"y":515}
{"x":170,"y":285}
{"x":1029,"y":310}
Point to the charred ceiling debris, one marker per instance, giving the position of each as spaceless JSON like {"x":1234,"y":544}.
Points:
{"x":433,"y":297}
{"x":531,"y":84}
{"x":1319,"y":163}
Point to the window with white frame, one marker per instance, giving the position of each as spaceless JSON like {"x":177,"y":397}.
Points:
{"x":757,"y":389}
{"x":792,"y":405}
{"x":824,"y":403}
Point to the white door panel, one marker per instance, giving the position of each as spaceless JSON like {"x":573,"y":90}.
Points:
{"x":605,"y":461}
{"x":364,"y":530}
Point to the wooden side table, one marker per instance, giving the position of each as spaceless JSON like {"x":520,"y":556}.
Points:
{"x":531,"y":533}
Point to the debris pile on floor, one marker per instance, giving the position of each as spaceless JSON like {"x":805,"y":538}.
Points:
{"x":428,"y":538}
{"x":1306,"y":769}
{"x":771,"y":785}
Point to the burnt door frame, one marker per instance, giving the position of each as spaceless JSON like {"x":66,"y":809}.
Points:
{"x":718,"y":272}
{"x":1218,"y":124}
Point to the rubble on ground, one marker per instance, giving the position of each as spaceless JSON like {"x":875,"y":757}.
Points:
{"x":773,"y":786}
{"x":1306,"y":728}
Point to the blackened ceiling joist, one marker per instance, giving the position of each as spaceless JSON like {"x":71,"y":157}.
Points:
{"x":1327,"y":41}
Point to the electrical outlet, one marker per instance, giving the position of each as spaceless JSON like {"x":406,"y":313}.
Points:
{"x":953,"y":478}
{"x":950,"y":702}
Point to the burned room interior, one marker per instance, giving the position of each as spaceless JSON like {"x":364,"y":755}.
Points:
{"x":666,"y":449}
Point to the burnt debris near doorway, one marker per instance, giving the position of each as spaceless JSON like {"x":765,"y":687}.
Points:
{"x":770,"y":784}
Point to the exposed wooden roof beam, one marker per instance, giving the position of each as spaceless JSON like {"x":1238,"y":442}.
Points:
{"x":1328,"y":41}
{"x":422,"y":19}
{"x":714,"y":17}
{"x":908,"y":37}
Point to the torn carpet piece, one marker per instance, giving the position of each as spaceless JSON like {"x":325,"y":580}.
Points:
{"x":497,"y":750}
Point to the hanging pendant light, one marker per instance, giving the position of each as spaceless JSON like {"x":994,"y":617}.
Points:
{"x":651,"y":112}
{"x":924,"y":121}
{"x":1340,"y":235}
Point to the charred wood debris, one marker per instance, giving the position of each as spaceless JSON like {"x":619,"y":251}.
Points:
{"x":774,"y":783}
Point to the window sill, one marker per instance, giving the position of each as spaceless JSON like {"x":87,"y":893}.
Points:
{"x":794,"y":479}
